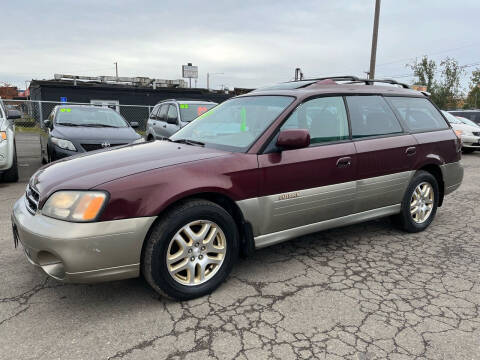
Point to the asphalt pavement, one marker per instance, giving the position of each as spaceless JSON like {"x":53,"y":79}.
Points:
{"x":361,"y":292}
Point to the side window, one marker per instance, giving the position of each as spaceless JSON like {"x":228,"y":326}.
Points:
{"x":153,"y":114}
{"x":418,"y":113}
{"x":371,"y":116}
{"x":325,"y":118}
{"x":162,"y":113}
{"x":172,"y":113}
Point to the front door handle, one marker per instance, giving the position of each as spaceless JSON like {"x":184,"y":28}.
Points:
{"x":164,"y":126}
{"x":411,"y":151}
{"x":344,"y":162}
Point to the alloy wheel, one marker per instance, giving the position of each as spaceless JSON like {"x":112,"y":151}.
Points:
{"x":421,"y":202}
{"x":196,"y":252}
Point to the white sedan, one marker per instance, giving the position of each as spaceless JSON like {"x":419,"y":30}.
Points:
{"x":469,"y":134}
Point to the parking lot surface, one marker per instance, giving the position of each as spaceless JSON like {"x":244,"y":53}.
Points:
{"x":361,"y":292}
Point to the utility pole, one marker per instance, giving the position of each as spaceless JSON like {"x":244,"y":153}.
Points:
{"x":373,"y":56}
{"x":116,"y":69}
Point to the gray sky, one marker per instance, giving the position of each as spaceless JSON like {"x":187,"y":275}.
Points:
{"x":252,"y":42}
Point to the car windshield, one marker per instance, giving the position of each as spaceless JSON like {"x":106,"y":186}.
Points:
{"x":235,"y":124}
{"x":468,"y":121}
{"x":451,"y":119}
{"x":89,"y":116}
{"x":191,"y":111}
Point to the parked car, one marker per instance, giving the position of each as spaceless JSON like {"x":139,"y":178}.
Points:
{"x":473,"y":115}
{"x":179,"y":212}
{"x":74,"y":129}
{"x":469,"y":134}
{"x":167,"y":117}
{"x":8,"y":151}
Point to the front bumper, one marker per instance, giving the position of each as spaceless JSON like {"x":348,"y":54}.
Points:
{"x":471,"y":141}
{"x":81,"y":252}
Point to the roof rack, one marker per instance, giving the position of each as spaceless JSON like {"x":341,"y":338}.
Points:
{"x":355,"y":79}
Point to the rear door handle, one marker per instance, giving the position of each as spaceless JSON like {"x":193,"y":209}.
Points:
{"x":344,"y":162}
{"x":164,"y":126}
{"x":411,"y":151}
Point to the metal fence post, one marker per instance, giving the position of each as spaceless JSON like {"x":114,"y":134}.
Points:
{"x":40,"y":118}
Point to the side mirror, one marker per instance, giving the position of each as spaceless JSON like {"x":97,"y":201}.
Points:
{"x":172,"y":120}
{"x":293,"y":139}
{"x":134,"y":124}
{"x":13,"y":114}
{"x":47,"y":123}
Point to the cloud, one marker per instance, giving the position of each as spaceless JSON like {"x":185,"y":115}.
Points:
{"x":251,"y":42}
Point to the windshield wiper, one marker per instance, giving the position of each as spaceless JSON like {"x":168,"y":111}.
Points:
{"x":68,"y":124}
{"x":188,"y":142}
{"x":98,"y":125}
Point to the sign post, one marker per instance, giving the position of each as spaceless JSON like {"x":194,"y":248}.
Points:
{"x":190,"y":72}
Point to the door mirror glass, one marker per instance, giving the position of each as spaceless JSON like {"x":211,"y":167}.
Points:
{"x":47,"y":123}
{"x":13,"y":114}
{"x":293,"y":139}
{"x":134,"y":124}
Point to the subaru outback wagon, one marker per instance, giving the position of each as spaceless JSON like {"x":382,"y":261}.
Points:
{"x":304,"y":156}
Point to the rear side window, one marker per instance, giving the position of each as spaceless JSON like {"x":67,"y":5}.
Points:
{"x":418,"y":113}
{"x":325,"y":119}
{"x":162,"y":113}
{"x":371,"y":116}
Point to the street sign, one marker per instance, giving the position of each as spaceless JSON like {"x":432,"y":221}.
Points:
{"x":189,"y":71}
{"x":63,"y":99}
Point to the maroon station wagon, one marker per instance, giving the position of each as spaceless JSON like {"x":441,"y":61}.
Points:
{"x":256,"y":170}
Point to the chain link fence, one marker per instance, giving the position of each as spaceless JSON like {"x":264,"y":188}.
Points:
{"x":33,"y":112}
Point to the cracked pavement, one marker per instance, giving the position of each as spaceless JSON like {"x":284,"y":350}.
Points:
{"x":361,"y":292}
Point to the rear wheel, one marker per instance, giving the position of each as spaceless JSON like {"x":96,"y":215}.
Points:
{"x":468,"y":150}
{"x":419,"y":204}
{"x":191,"y":251}
{"x":11,"y":175}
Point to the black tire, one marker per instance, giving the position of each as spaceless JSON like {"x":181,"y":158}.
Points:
{"x":468,"y":150}
{"x":404,"y":220}
{"x":150,"y":138}
{"x":11,"y":175}
{"x":154,"y":264}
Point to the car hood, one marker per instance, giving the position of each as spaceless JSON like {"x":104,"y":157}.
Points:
{"x":78,"y":133}
{"x":465,"y":127}
{"x":91,"y":169}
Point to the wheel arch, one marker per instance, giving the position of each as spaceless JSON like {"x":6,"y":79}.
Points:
{"x":245,"y":231}
{"x":436,"y":171}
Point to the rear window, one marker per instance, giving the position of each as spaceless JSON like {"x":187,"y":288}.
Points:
{"x":418,"y":113}
{"x":371,"y":116}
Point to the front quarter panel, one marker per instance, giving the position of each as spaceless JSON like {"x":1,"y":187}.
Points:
{"x":149,"y":193}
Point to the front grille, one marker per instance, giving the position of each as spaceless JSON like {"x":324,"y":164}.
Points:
{"x":92,"y":147}
{"x":31,"y":199}
{"x":476,"y":133}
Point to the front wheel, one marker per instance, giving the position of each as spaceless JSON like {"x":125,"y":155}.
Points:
{"x":468,"y":150}
{"x":419,"y":204}
{"x":191,"y":251}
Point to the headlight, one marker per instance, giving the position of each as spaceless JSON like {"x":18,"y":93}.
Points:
{"x":63,"y":144}
{"x":138,"y":141}
{"x":77,"y":206}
